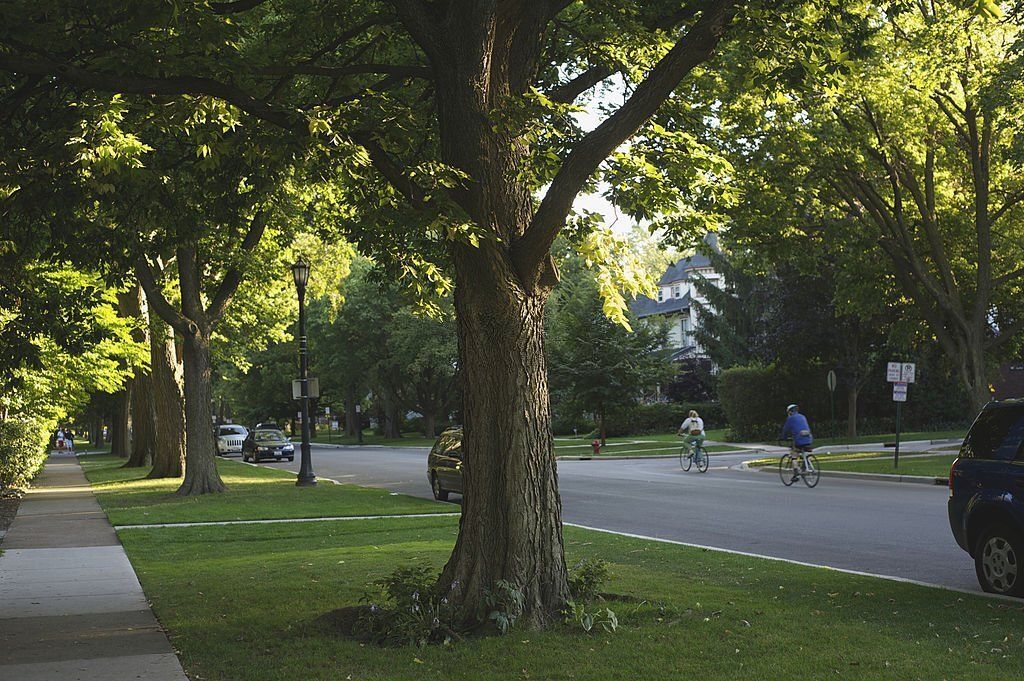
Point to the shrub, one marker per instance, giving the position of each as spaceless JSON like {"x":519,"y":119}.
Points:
{"x":587,"y":578}
{"x":408,"y":608}
{"x":23,"y":450}
{"x":661,"y":417}
{"x":754,"y":398}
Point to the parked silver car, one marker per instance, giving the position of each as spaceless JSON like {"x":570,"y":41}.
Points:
{"x":230,"y":438}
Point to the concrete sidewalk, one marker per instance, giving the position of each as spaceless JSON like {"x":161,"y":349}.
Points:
{"x":71,"y":606}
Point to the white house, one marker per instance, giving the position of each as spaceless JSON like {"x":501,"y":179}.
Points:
{"x":676,"y":294}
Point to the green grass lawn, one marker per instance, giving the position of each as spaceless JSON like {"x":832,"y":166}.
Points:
{"x":407,"y":440}
{"x":935,"y":466}
{"x":254,"y":492}
{"x":822,"y":457}
{"x":891,"y":437}
{"x":242,"y":602}
{"x":639,"y":445}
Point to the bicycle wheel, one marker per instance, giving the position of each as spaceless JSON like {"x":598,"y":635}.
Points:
{"x":685,"y":458}
{"x":811,"y":473}
{"x":786,"y":470}
{"x":702,"y":461}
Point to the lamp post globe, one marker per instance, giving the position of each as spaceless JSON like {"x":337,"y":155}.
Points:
{"x":300,"y":272}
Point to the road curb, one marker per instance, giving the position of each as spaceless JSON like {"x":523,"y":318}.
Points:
{"x":877,"y":477}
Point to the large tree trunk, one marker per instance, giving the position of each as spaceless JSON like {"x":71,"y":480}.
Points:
{"x":351,"y":417}
{"x":852,"y":393}
{"x":429,"y":425}
{"x":169,"y":404}
{"x":511,"y":523}
{"x":974,"y":374}
{"x":143,"y":439}
{"x":392,"y":415}
{"x":119,"y":426}
{"x":201,"y":476}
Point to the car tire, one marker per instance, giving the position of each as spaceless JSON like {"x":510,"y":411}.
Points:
{"x":291,"y":458}
{"x":440,"y":493}
{"x":999,"y":561}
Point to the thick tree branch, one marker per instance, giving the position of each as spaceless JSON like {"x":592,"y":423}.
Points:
{"x":696,"y":47}
{"x":409,"y":71}
{"x":233,"y":277}
{"x":234,"y":6}
{"x":108,"y":81}
{"x":567,"y":92}
{"x":147,"y":279}
{"x":422,"y":27}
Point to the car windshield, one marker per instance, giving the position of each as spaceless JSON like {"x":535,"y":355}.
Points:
{"x":268,"y":436}
{"x":232,"y":430}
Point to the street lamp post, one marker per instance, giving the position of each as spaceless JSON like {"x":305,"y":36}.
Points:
{"x":300,"y":271}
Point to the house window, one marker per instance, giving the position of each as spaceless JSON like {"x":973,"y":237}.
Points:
{"x":684,"y":329}
{"x":677,"y":291}
{"x":661,"y":294}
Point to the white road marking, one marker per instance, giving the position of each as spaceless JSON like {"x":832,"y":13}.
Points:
{"x":859,"y":573}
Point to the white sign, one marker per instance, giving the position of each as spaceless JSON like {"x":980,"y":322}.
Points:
{"x":313,"y":385}
{"x":899,"y":392}
{"x":908,"y":372}
{"x":327,"y":411}
{"x":893,"y":372}
{"x":831,"y":380}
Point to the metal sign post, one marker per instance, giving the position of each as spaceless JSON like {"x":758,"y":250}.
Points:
{"x":901,"y":375}
{"x":831,"y":381}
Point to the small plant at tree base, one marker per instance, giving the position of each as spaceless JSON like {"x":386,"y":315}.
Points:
{"x":407,"y":607}
{"x":504,"y":604}
{"x":587,"y":578}
{"x":576,"y":613}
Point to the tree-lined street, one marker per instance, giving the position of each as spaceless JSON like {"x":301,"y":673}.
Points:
{"x":898,"y":530}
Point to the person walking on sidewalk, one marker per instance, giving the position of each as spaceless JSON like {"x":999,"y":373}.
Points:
{"x":69,"y":440}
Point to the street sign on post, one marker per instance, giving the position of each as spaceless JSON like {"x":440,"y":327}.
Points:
{"x":899,"y":392}
{"x":313,"y":386}
{"x":893,"y":372}
{"x":908,"y":372}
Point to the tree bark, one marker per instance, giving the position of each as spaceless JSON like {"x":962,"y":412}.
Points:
{"x":511,"y":523}
{"x":351,"y":417}
{"x":119,"y":425}
{"x":201,"y":476}
{"x":143,"y":440}
{"x":169,"y":403}
{"x":852,"y":393}
{"x":133,"y":304}
{"x":429,"y":425}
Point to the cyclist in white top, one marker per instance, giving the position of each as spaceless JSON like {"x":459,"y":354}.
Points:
{"x":692,"y":429}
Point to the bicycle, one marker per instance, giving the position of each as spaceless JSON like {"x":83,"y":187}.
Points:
{"x":799,"y":463}
{"x":693,"y":454}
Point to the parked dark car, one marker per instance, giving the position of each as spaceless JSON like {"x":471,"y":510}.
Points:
{"x":267,"y":443}
{"x":986,"y":497}
{"x":444,"y":464}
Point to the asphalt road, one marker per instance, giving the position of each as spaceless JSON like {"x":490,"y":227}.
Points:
{"x":883,"y":528}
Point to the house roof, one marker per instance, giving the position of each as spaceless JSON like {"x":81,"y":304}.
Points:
{"x":680,"y":271}
{"x":646,"y":307}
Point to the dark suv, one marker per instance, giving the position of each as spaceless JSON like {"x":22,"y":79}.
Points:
{"x":986,"y":497}
{"x":444,"y":464}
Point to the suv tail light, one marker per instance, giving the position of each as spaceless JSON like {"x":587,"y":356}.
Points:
{"x":952,"y":470}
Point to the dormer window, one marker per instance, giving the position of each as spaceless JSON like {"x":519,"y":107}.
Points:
{"x":677,"y":291}
{"x":661,"y":295}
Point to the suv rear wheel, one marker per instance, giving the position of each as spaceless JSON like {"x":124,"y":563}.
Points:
{"x":998,"y":560}
{"x":435,"y":487}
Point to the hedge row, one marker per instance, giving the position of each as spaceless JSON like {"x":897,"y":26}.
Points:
{"x":754,"y":399}
{"x":23,"y":450}
{"x":661,"y":417}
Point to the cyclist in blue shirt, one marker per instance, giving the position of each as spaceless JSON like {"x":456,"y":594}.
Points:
{"x":797,"y":429}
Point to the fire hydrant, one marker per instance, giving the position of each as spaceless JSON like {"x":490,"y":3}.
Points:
{"x":596,"y":444}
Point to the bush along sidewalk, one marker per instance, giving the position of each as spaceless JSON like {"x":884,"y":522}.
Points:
{"x":23,"y":451}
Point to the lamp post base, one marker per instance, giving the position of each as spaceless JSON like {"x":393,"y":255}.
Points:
{"x":306,"y":481}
